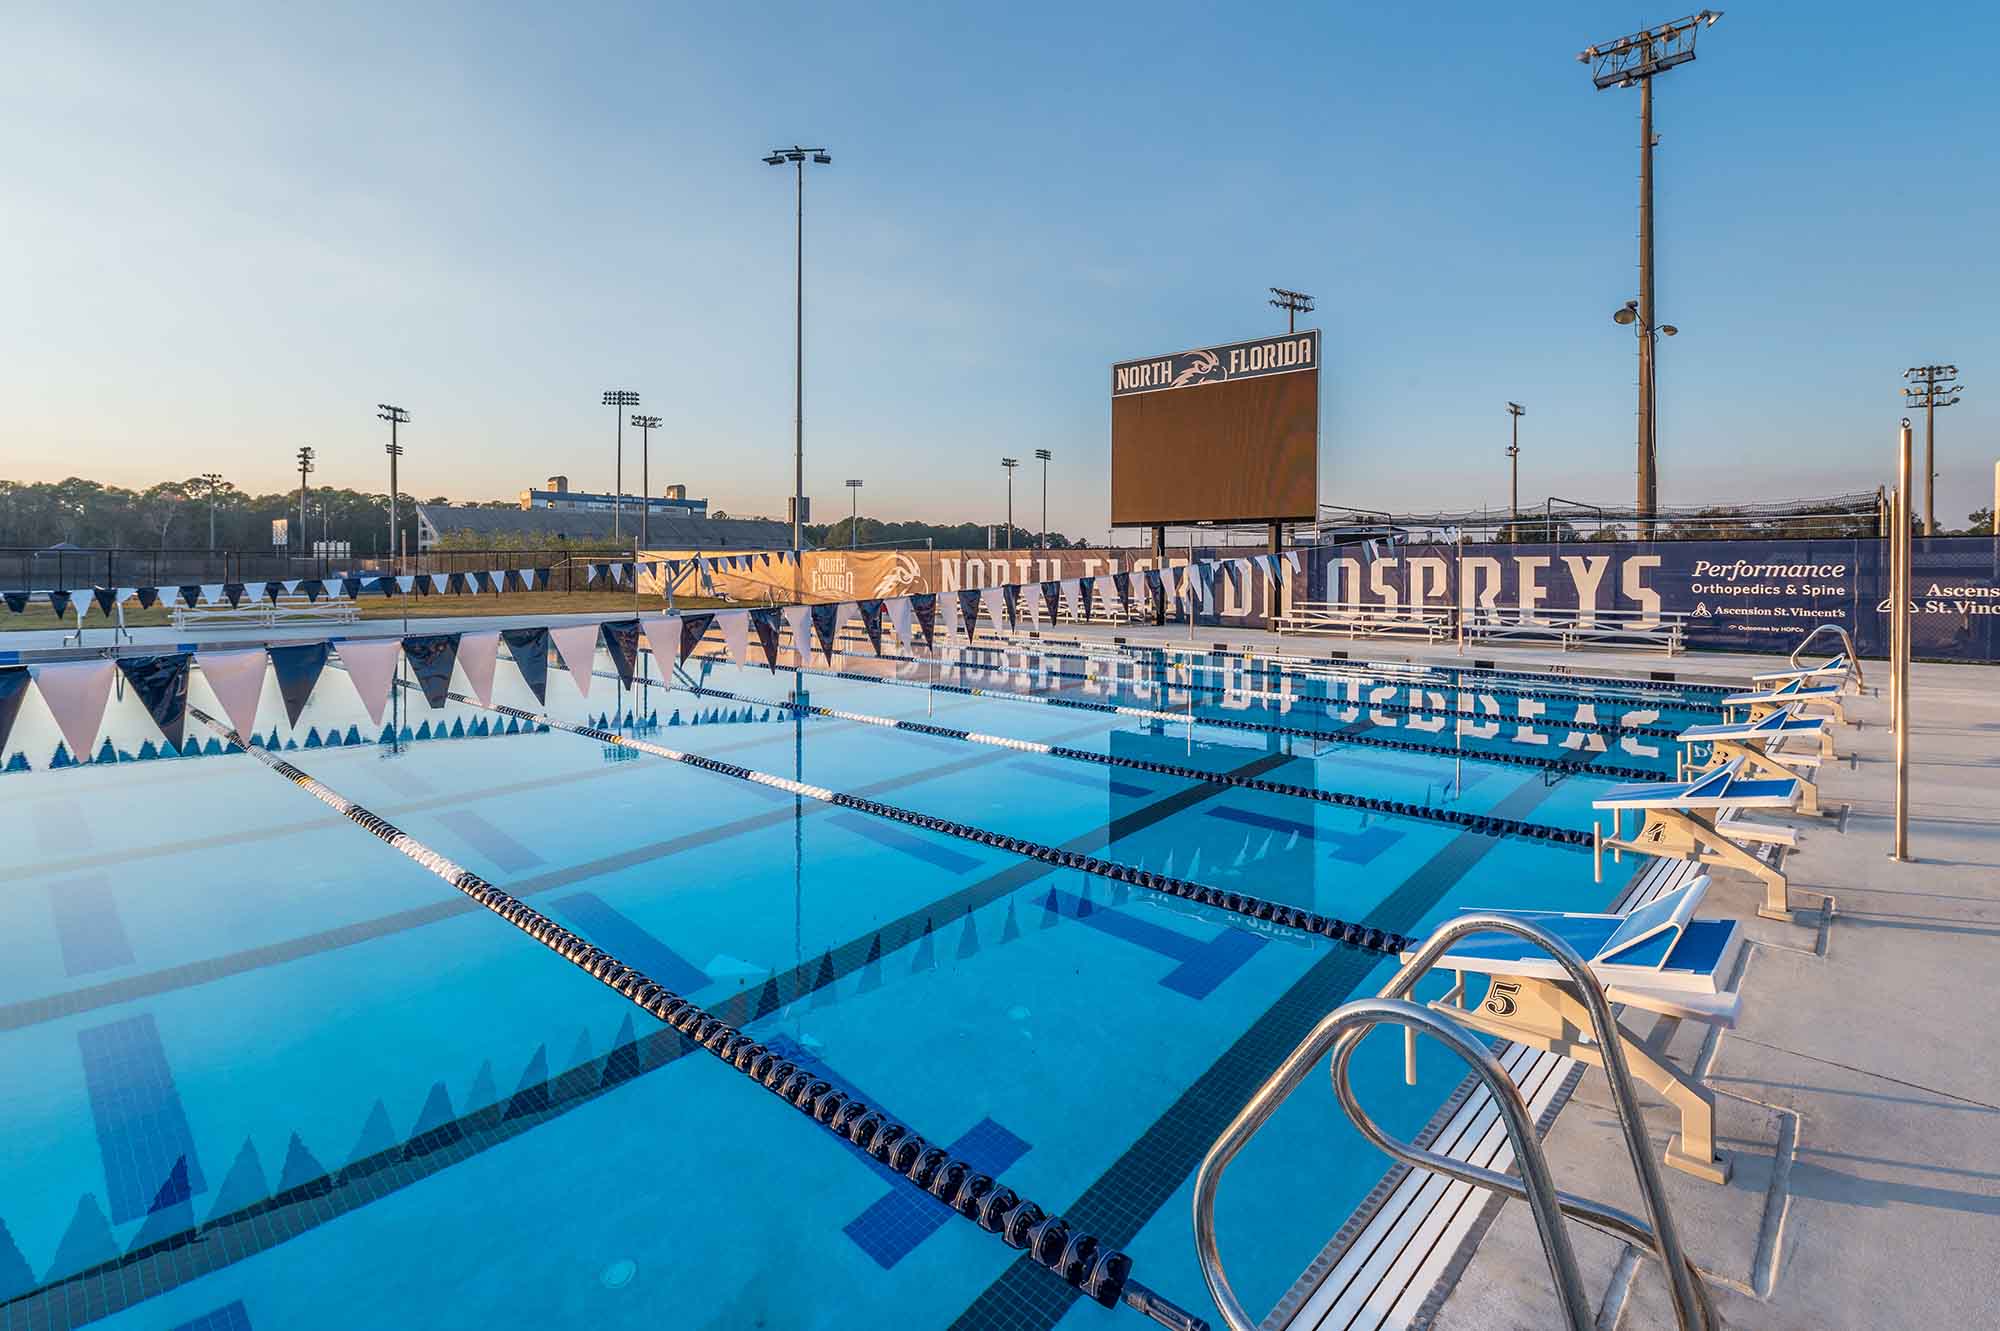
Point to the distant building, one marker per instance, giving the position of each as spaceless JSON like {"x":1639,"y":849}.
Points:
{"x":674,"y":503}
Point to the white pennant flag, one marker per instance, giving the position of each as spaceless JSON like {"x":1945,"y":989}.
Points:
{"x":663,"y":635}
{"x":125,"y":594}
{"x":899,"y":611}
{"x":841,"y":613}
{"x":407,"y":582}
{"x":76,"y":692}
{"x":995,"y":602}
{"x":211,"y":593}
{"x":477,"y":653}
{"x":499,"y":579}
{"x":371,"y":668}
{"x":798,"y":620}
{"x":577,"y":645}
{"x":528,"y":578}
{"x":1033,"y":602}
{"x":237,"y":681}
{"x":438,"y":582}
{"x":947,"y":614}
{"x":1073,"y":589}
{"x":735,"y":626}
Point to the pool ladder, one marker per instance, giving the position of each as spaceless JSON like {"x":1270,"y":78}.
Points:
{"x":1341,"y":1032}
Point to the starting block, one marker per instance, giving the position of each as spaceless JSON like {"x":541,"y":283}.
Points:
{"x":1681,"y":822}
{"x":1835,"y":670}
{"x":1799,"y":693}
{"x":1656,"y":958}
{"x":1754,"y":743}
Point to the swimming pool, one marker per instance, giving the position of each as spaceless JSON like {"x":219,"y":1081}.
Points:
{"x":258,"y":1070}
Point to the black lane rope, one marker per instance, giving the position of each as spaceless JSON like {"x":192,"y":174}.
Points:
{"x":1424,"y":811}
{"x":1365,"y":937}
{"x":1404,"y":709}
{"x":1079,"y":1260}
{"x":1562,"y":766}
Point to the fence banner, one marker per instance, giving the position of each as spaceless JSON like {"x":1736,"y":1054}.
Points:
{"x":1746,"y":596}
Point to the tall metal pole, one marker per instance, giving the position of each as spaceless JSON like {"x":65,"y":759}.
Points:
{"x":1648,"y":478}
{"x":1930,"y":463}
{"x":1901,"y":669}
{"x":618,"y":474}
{"x":799,"y":376}
{"x":1515,"y":411}
{"x":1009,"y":464}
{"x":395,"y":416}
{"x":646,"y":426}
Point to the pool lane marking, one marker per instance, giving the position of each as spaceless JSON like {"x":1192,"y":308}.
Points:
{"x":1130,"y":1192}
{"x":34,"y":1011}
{"x":1549,"y":832}
{"x":266,"y":1222}
{"x":1050,"y":1242}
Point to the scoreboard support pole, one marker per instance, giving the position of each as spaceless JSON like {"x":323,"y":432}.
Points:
{"x":1160,"y":563}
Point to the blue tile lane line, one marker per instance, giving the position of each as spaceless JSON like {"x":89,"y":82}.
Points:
{"x":88,"y":927}
{"x":1078,"y":777}
{"x":142,"y":1130}
{"x":494,"y":843}
{"x":229,"y":1317}
{"x":884,"y":834}
{"x":1353,"y":847}
{"x":603,"y":925}
{"x":892,"y":1226}
{"x":1203,"y":965}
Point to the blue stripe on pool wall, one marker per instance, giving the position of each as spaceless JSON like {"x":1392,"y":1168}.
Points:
{"x":142,"y":1130}
{"x":479,"y":831}
{"x":229,"y":1317}
{"x":896,"y":839}
{"x":1203,"y":964}
{"x":88,"y":927}
{"x":603,"y":925}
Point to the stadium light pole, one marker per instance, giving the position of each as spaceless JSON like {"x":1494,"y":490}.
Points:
{"x":1639,"y":58}
{"x":853,"y":512}
{"x":1043,"y":455}
{"x":395,"y":416}
{"x":797,"y":156}
{"x":618,"y":399}
{"x":212,"y":484}
{"x":646,"y":425}
{"x":1935,"y":386}
{"x":1515,"y":410}
{"x":305,"y":467}
{"x":1010,"y":464}
{"x":1293,"y":303}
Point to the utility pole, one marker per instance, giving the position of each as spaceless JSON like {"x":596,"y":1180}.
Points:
{"x":1293,"y":303}
{"x":618,"y":399}
{"x":1010,"y":464}
{"x":1043,"y":455}
{"x":212,"y":486}
{"x":305,"y":466}
{"x":797,"y":155}
{"x":646,"y":424}
{"x":395,"y":416}
{"x":1638,"y":59}
{"x":1935,"y":386}
{"x":853,"y":513}
{"x":1516,"y":411}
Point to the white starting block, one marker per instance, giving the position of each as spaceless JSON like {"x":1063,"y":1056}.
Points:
{"x":1797,"y":693}
{"x":1675,"y":827}
{"x":1755,"y":744}
{"x":1657,"y":958}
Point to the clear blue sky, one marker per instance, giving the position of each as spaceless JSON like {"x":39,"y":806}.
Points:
{"x":226,"y":232}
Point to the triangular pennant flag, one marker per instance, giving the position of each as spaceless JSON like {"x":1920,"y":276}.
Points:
{"x":454,"y":584}
{"x":663,"y":637}
{"x":1052,"y":599}
{"x":124,"y":594}
{"x":968,"y":610}
{"x":995,"y":601}
{"x":234,"y":592}
{"x":496,"y":581}
{"x":273,"y":590}
{"x":371,"y":668}
{"x":764,"y":623}
{"x":621,"y":640}
{"x":823,"y":617}
{"x":797,"y":620}
{"x":76,"y":692}
{"x":350,"y":588}
{"x":190,"y":594}
{"x":105,"y":598}
{"x":530,"y":650}
{"x":1081,"y":591}
{"x":211,"y":593}
{"x":297,"y":669}
{"x":693,"y":629}
{"x":871,"y":622}
{"x":431,"y":656}
{"x":16,"y":601}
{"x":161,"y":683}
{"x":13,"y":692}
{"x":406,"y":583}
{"x":148,"y":597}
{"x":477,"y":654}
{"x":1154,"y":584}
{"x":924,"y":606}
{"x":735,"y":626}
{"x":59,"y":602}
{"x":237,"y":681}
{"x":576,"y":644}
{"x":1010,"y":596}
{"x":900,"y":612}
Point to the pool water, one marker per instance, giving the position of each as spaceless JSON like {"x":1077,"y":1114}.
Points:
{"x":258,"y":1070}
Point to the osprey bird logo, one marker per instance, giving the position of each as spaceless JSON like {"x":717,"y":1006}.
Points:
{"x":1203,"y":365}
{"x":902,"y":578}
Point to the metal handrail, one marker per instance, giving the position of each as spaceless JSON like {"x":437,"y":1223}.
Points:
{"x":1847,"y":646}
{"x":1341,"y":1031}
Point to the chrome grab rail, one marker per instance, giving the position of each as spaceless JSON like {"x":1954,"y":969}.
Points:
{"x":1341,"y":1032}
{"x":1847,"y":648}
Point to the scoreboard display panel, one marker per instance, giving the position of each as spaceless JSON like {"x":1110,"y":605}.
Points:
{"x":1222,"y":434}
